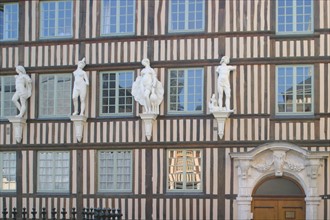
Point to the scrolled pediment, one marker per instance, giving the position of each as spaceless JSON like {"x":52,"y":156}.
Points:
{"x":277,"y":157}
{"x":279,"y":161}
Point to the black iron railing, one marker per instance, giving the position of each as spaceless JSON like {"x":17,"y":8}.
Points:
{"x":73,"y":214}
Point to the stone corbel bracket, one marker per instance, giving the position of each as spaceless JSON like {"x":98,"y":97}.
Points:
{"x":18,"y":125}
{"x":221,"y":117}
{"x":148,"y":119}
{"x":79,"y":122}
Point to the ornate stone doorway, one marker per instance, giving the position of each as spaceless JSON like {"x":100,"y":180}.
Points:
{"x":278,"y":198}
{"x":279,"y":160}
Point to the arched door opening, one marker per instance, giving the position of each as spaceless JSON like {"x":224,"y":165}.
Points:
{"x":278,"y":198}
{"x":285,"y":161}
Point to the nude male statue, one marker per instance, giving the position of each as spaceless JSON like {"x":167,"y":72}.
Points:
{"x":223,"y":81}
{"x":23,"y":85}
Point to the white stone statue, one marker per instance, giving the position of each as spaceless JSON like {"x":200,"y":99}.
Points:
{"x":213,"y":105}
{"x":80,"y":87}
{"x":147,"y":90}
{"x":223,"y":81}
{"x":23,"y":85}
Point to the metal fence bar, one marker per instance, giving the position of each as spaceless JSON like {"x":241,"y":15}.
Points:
{"x":85,"y":214}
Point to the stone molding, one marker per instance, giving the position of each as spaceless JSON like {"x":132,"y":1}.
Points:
{"x":221,"y":117}
{"x":18,"y":125}
{"x":148,"y":119}
{"x":79,"y":122}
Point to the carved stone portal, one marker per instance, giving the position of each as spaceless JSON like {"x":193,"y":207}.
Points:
{"x":278,"y":159}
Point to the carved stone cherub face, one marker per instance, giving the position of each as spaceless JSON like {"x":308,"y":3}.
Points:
{"x":279,"y":159}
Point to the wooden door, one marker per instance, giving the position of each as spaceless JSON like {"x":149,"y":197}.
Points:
{"x":278,"y":208}
{"x":264,"y":209}
{"x":291,"y":209}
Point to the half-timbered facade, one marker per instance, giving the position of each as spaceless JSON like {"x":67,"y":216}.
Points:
{"x":278,"y":135}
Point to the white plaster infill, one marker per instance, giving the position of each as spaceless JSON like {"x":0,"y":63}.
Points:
{"x":148,"y":119}
{"x":79,"y":122}
{"x":18,"y":125}
{"x":278,"y":159}
{"x":221,"y":117}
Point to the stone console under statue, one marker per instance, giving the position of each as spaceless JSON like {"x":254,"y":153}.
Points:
{"x":23,"y":86}
{"x":148,"y":92}
{"x":222,"y":112}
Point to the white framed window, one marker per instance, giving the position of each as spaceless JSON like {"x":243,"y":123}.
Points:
{"x":294,"y":90}
{"x":118,"y":17}
{"x":56,"y":19}
{"x":9,"y":21}
{"x":115,"y":171}
{"x":7,"y":90}
{"x":184,"y":168}
{"x":186,"y":15}
{"x":185,"y":90}
{"x":7,"y":171}
{"x":53,"y":171}
{"x":116,"y":93}
{"x":55,"y":95}
{"x":294,"y":16}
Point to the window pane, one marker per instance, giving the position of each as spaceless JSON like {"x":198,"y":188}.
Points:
{"x":294,"y":16}
{"x":9,"y":21}
{"x":55,"y":95}
{"x":186,"y":15}
{"x":186,"y":90}
{"x":279,"y":187}
{"x":53,"y":171}
{"x":184,"y":170}
{"x":294,"y":89}
{"x":116,"y":93}
{"x":115,"y":170}
{"x":7,"y":90}
{"x":118,"y":17}
{"x":56,"y":18}
{"x":8,"y":171}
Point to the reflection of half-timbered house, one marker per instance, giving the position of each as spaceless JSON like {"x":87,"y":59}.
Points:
{"x":271,"y":163}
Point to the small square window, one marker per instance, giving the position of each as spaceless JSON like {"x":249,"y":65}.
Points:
{"x":186,"y":15}
{"x":7,"y":171}
{"x":53,"y":171}
{"x":115,"y":171}
{"x":7,"y":90}
{"x":55,"y":95}
{"x":184,"y":169}
{"x":186,"y":91}
{"x":294,"y":90}
{"x":116,"y":96}
{"x":117,"y":17}
{"x":56,"y":18}
{"x":9,"y":21}
{"x":294,"y":16}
